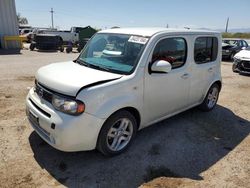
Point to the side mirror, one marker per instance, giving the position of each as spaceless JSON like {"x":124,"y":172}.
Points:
{"x":160,"y":66}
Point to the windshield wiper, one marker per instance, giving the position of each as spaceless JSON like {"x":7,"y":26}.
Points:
{"x":81,"y":62}
{"x":99,"y":67}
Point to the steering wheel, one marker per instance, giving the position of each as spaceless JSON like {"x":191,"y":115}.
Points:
{"x":169,"y":59}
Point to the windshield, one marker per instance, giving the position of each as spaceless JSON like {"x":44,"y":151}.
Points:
{"x":117,"y":53}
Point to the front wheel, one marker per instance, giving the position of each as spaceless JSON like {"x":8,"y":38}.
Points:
{"x":211,"y":98}
{"x":117,"y":133}
{"x":61,"y":48}
{"x":32,"y":46}
{"x":234,"y":68}
{"x":232,"y":56}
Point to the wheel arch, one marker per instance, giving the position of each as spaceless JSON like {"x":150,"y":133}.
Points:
{"x":135,"y":112}
{"x":130,"y":109}
{"x":218,"y":82}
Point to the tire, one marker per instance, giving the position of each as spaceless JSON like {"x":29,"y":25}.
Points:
{"x":231,"y":57}
{"x":234,"y":68}
{"x":79,"y":49}
{"x":211,"y":98}
{"x":68,"y":49}
{"x":32,"y":46}
{"x":61,"y":49}
{"x":117,"y":133}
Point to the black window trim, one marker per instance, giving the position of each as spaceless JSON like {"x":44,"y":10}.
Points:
{"x":212,"y":49}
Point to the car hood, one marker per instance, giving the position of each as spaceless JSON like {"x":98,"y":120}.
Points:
{"x":69,"y":77}
{"x":243,"y":54}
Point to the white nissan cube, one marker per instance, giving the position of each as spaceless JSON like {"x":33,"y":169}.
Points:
{"x":125,"y":79}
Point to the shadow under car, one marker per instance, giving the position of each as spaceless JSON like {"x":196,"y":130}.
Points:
{"x":182,"y":146}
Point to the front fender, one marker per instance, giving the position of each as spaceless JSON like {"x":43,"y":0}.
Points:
{"x":105,"y":99}
{"x":117,"y":103}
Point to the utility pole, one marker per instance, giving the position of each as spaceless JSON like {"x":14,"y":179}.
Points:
{"x":227,"y":24}
{"x":52,"y":20}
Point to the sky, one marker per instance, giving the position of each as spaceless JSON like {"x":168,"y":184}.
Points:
{"x":210,"y":14}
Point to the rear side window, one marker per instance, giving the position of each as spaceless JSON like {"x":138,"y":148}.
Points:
{"x":173,"y":50}
{"x":245,"y":43}
{"x":205,"y":49}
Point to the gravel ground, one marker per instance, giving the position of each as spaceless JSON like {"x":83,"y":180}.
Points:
{"x":192,"y":149}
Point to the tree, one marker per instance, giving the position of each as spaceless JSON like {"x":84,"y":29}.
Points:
{"x":22,"y":20}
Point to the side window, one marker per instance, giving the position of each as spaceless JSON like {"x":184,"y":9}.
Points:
{"x":245,"y":44}
{"x":239,"y":43}
{"x":173,"y":50}
{"x":205,"y":49}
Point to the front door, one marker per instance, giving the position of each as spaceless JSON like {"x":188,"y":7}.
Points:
{"x":167,"y":93}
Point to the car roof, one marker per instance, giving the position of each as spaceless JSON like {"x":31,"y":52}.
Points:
{"x":144,"y":31}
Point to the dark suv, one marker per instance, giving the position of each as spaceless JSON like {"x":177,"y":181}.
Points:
{"x":232,"y":46}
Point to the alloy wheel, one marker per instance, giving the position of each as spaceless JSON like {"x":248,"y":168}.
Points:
{"x":212,"y":97}
{"x":120,"y":134}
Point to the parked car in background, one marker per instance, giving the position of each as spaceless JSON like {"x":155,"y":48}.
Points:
{"x":47,"y":42}
{"x":232,"y":46}
{"x":124,"y":80}
{"x":36,"y":31}
{"x":25,"y":31}
{"x":241,"y":62}
{"x":83,"y":37}
{"x":67,"y":36}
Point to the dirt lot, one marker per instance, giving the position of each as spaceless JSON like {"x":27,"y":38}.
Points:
{"x":192,"y":149}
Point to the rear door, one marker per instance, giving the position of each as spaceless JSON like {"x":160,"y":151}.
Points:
{"x":204,"y":66}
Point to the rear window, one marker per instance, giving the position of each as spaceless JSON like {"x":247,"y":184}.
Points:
{"x":205,"y":49}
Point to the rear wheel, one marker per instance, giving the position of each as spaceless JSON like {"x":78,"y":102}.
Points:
{"x":117,"y":133}
{"x":69,"y":49}
{"x":79,"y":49}
{"x":211,"y":98}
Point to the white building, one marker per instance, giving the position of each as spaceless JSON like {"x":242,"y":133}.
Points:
{"x":8,"y":22}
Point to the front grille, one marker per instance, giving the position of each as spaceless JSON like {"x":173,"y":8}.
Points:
{"x":246,"y":64}
{"x":43,"y":93}
{"x":39,"y":109}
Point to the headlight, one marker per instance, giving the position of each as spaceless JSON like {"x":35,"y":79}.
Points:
{"x":237,"y":60}
{"x":67,"y":105}
{"x":227,"y":51}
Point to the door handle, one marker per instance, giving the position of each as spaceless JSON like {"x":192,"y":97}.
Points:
{"x":210,"y":69}
{"x":185,"y":76}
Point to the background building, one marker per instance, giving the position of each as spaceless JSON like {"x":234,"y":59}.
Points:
{"x":8,"y":22}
